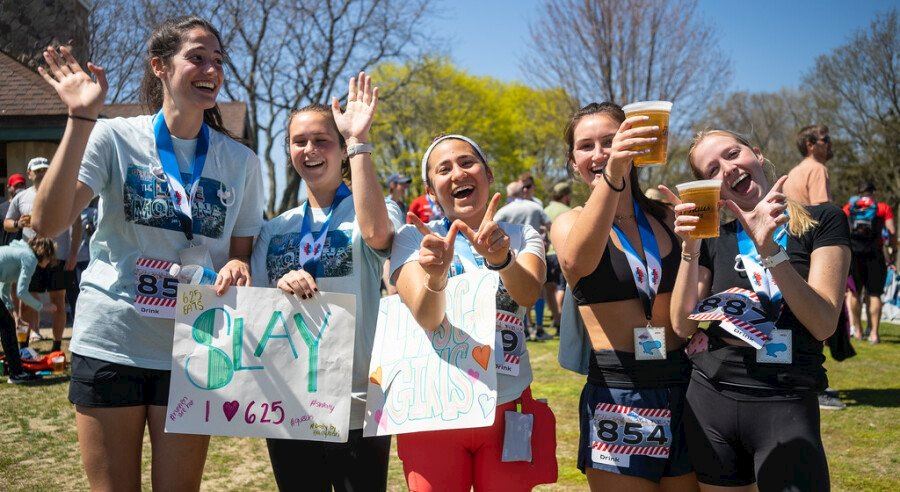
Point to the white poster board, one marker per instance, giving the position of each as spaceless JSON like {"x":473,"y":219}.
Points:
{"x":446,"y":379}
{"x":258,"y":363}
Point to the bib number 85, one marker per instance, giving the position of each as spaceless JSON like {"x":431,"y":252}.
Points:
{"x":608,"y":431}
{"x":148,"y":285}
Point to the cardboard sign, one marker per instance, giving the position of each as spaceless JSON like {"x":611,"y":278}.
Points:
{"x":445,"y":379}
{"x":258,"y":363}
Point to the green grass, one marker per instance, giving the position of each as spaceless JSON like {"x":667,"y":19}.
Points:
{"x":39,"y":449}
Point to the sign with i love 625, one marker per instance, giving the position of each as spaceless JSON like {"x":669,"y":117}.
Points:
{"x":258,"y":363}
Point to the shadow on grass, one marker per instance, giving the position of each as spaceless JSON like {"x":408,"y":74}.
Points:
{"x":48,"y":381}
{"x":883,"y":397}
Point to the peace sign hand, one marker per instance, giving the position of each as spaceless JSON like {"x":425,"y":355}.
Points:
{"x":765,"y":218}
{"x":81,"y":95}
{"x":491,"y":242}
{"x":435,"y":252}
{"x":355,"y":121}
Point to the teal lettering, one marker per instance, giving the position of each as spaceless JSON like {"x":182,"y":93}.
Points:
{"x":237,"y":342}
{"x":276,"y":316}
{"x":219,"y":368}
{"x":313,"y":344}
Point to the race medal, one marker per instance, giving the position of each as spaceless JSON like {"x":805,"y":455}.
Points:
{"x":650,"y":343}
{"x":196,"y":255}
{"x":619,"y":432}
{"x":155,"y":291}
{"x":510,"y":343}
{"x":778,"y":350}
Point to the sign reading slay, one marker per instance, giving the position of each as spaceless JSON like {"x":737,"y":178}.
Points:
{"x":258,"y":363}
{"x":446,"y":379}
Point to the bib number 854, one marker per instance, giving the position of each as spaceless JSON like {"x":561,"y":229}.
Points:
{"x":608,"y":431}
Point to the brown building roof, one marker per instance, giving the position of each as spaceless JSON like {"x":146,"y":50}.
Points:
{"x":234,"y":114}
{"x":24,"y":92}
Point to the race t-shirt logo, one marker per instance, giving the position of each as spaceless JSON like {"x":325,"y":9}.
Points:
{"x":283,"y":255}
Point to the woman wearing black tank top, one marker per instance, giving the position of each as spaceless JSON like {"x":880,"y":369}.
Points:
{"x":620,"y":257}
{"x":777,"y":272}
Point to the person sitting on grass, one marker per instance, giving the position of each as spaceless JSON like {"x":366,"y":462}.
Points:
{"x":18,"y":262}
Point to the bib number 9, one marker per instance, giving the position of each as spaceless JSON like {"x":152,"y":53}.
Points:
{"x":151,"y":285}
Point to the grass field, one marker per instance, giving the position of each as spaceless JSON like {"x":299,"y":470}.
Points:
{"x":39,"y":450}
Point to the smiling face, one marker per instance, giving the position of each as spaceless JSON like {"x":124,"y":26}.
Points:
{"x":193,"y":76}
{"x":739,"y":167}
{"x":458,"y":179}
{"x":315,"y":149}
{"x":593,"y":136}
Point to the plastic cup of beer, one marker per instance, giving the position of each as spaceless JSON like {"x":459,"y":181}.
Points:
{"x":58,"y":364}
{"x":658,"y":111}
{"x":22,"y":334}
{"x":704,"y":195}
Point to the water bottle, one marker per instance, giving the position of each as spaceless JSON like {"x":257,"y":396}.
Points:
{"x":192,"y":274}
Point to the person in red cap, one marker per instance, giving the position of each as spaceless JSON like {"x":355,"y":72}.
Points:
{"x":14,"y":184}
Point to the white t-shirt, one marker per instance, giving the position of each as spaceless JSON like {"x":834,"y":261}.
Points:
{"x":136,"y":219}
{"x":23,"y":204}
{"x":347,"y":265}
{"x":522,"y":239}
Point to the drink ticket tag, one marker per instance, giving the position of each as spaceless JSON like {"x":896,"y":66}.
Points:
{"x":650,"y":343}
{"x":509,"y":343}
{"x":155,"y":291}
{"x":778,"y":349}
{"x":739,"y":313}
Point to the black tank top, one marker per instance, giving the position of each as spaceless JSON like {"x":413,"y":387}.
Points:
{"x":612,"y":279}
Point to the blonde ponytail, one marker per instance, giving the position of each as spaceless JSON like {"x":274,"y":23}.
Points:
{"x":800,"y":221}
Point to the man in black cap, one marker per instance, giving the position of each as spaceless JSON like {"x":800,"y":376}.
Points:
{"x":868,"y":265}
{"x":398,"y":185}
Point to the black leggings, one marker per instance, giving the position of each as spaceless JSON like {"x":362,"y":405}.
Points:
{"x":737,"y":439}
{"x":360,"y":464}
{"x":10,"y":343}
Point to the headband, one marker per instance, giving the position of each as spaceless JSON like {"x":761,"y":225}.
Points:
{"x":441,"y":139}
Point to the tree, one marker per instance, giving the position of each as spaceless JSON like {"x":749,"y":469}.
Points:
{"x":518,"y":127}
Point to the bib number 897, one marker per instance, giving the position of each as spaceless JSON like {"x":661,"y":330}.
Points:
{"x":608,"y":431}
{"x":148,"y":285}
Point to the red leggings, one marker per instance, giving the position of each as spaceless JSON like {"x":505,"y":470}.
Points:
{"x":457,"y":460}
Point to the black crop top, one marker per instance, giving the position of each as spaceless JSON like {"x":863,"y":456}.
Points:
{"x":612,"y":279}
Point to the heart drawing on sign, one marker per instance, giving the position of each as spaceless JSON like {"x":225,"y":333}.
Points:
{"x":473,"y":374}
{"x":380,"y":420}
{"x":482,"y":355}
{"x":230,"y":408}
{"x":375,"y":377}
{"x":488,"y":404}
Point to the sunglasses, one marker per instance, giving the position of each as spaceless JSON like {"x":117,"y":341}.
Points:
{"x":826,"y":139}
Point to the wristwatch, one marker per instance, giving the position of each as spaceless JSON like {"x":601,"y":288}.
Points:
{"x":360,"y":148}
{"x":776,"y":259}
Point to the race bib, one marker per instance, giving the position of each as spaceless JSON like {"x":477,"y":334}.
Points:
{"x":778,"y":349}
{"x":510,"y":343}
{"x":739,"y":313}
{"x":155,"y":290}
{"x":619,"y":432}
{"x":650,"y":343}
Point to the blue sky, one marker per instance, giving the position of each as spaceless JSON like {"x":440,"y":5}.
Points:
{"x":771,"y":43}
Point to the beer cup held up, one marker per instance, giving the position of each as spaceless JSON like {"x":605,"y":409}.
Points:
{"x":658,"y":111}
{"x":704,"y":195}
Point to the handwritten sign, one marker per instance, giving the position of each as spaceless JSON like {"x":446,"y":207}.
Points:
{"x":446,"y":379}
{"x":258,"y":363}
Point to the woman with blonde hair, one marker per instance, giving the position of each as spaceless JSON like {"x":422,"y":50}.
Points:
{"x":776,"y":275}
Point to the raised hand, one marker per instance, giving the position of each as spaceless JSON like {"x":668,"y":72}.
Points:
{"x":355,"y":121}
{"x":765,"y":218}
{"x":626,"y":139}
{"x":684,"y":221}
{"x":435,"y":252}
{"x":82,"y":96}
{"x":491,"y":242}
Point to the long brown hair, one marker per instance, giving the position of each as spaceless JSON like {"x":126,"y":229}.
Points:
{"x":44,"y":248}
{"x":329,"y":117}
{"x":164,"y":42}
{"x":614,"y":112}
{"x":799,"y":222}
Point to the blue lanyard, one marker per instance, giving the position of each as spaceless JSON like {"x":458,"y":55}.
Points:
{"x":181,"y":197}
{"x":311,"y":246}
{"x":646,"y":272}
{"x":463,"y":250}
{"x":762,"y":282}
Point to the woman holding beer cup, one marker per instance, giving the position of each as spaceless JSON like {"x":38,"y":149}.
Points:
{"x":424,"y":256}
{"x":777,"y":274}
{"x":620,"y":256}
